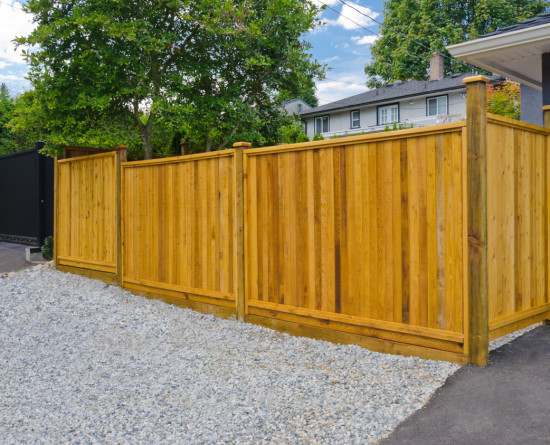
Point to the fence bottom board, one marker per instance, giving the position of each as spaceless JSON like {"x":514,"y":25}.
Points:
{"x":367,"y":332}
{"x":106,"y":277}
{"x":516,"y":325}
{"x":373,"y":344}
{"x":178,"y":294}
{"x":204,"y":308}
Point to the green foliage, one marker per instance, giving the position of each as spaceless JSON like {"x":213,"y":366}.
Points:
{"x":436,"y":24}
{"x":318,"y":137}
{"x":504,"y":100}
{"x":10,"y":139}
{"x":210,"y":70}
{"x":387,"y":128}
{"x":47,"y":248}
{"x":291,"y":134}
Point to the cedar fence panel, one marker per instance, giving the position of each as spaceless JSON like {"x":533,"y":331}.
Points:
{"x":178,"y":227}
{"x":365,"y":236}
{"x":518,"y":199}
{"x":86,"y":213}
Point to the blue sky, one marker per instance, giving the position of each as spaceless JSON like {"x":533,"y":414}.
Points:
{"x":340,"y":43}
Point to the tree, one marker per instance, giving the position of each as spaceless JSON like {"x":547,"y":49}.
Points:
{"x":210,"y":67}
{"x":504,"y":100}
{"x":10,"y":140}
{"x":413,"y":29}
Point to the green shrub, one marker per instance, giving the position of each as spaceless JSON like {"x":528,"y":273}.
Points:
{"x":318,"y":137}
{"x":47,"y":248}
{"x":302,"y":137}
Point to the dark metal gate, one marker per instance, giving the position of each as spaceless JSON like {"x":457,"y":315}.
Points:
{"x":26,"y":197}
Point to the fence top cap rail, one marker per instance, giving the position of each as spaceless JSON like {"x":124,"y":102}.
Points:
{"x":476,"y":79}
{"x":362,"y":138}
{"x":177,"y":159}
{"x":85,"y":158}
{"x":508,"y":122}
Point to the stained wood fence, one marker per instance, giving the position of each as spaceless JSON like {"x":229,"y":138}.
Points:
{"x":369,"y":239}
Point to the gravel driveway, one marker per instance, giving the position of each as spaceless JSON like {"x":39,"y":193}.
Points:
{"x":83,"y":362}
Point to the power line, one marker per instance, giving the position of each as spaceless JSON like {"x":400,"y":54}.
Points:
{"x":12,"y":6}
{"x":400,"y":33}
{"x":382,"y":24}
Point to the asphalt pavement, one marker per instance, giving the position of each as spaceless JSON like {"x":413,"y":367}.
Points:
{"x":12,"y":257}
{"x":506,"y":402}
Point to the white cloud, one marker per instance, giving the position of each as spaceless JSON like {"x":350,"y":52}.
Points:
{"x":4,"y":64}
{"x":365,"y":40}
{"x":10,"y":77}
{"x":13,"y":23}
{"x":340,"y":86}
{"x":331,"y":59}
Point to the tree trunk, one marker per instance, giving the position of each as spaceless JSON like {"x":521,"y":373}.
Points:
{"x":146,"y":135}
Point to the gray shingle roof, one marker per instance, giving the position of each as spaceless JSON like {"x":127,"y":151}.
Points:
{"x":396,"y":91}
{"x":535,"y":21}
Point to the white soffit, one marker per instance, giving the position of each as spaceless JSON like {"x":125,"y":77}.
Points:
{"x":515,"y":55}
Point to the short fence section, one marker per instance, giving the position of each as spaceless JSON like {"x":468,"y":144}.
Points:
{"x":357,"y":240}
{"x":518,"y":197}
{"x":363,"y":237}
{"x":178,"y":227}
{"x":86,"y":215}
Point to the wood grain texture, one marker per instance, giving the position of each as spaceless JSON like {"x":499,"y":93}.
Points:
{"x":179,"y":232}
{"x":86,"y":211}
{"x":371,"y":230}
{"x":518,"y":200}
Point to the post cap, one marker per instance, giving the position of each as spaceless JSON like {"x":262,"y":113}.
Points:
{"x":546,"y":108}
{"x":121,"y":147}
{"x":476,"y":79}
{"x":242,"y":144}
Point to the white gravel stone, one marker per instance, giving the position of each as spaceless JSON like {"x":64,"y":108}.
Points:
{"x":501,"y":341}
{"x":83,"y":362}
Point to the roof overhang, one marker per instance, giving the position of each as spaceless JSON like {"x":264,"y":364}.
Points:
{"x":516,"y":55}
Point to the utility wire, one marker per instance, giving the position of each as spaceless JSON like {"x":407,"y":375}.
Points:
{"x":382,"y":24}
{"x":12,"y":6}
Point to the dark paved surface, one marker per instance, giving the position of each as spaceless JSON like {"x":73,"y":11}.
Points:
{"x":12,"y":257}
{"x":507,"y":402}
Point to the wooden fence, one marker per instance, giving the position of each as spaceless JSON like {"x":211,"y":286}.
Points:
{"x":420,"y":242}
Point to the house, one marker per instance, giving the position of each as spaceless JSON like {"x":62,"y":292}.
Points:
{"x":409,"y":103}
{"x":296,"y":106}
{"x":521,"y":53}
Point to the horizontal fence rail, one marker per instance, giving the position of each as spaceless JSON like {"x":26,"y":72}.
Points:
{"x":377,"y":239}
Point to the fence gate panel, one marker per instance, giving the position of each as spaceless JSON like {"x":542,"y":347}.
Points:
{"x":86,"y":212}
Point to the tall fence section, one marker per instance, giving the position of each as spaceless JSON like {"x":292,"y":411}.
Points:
{"x":377,"y":240}
{"x":26,"y":196}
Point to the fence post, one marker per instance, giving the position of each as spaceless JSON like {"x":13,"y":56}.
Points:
{"x":121,"y":156}
{"x":239,"y":229}
{"x":478,"y":296}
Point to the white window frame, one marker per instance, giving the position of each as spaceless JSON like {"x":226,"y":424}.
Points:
{"x":300,"y":108}
{"x":385,"y":114}
{"x":438,"y":107}
{"x":352,"y":120}
{"x":322,"y":120}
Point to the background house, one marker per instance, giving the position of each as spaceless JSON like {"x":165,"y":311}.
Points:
{"x":417,"y":103}
{"x":296,"y":106}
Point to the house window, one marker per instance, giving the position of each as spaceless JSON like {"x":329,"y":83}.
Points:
{"x":321,"y":125}
{"x":388,"y":114}
{"x":355,"y":119}
{"x":300,"y":108}
{"x":436,"y":105}
{"x":304,"y":126}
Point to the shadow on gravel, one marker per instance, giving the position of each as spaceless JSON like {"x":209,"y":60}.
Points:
{"x":507,"y":402}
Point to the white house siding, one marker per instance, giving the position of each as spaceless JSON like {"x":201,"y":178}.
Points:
{"x":410,"y":108}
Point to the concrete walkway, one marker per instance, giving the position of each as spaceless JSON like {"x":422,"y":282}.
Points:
{"x":12,"y":257}
{"x":507,"y":402}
